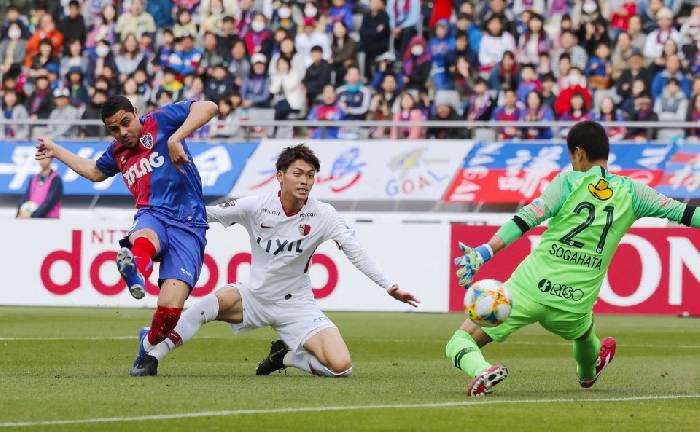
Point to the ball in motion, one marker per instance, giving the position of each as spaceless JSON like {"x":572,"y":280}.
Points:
{"x":488,"y":302}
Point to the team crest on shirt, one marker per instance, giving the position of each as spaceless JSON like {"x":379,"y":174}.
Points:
{"x":304,"y":229}
{"x":147,"y":140}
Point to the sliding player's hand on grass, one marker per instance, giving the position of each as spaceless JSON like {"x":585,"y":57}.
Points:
{"x":470,"y":262}
{"x":403,"y":296}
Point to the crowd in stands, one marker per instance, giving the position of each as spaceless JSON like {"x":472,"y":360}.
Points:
{"x":530,"y":60}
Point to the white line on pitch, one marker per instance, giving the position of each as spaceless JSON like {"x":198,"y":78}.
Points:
{"x":338,"y":408}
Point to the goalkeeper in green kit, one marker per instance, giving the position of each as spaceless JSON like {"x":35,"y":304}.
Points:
{"x":558,"y":283}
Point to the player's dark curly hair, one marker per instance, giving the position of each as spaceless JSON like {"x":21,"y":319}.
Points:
{"x":591,"y":137}
{"x":295,"y":153}
{"x":115,"y":104}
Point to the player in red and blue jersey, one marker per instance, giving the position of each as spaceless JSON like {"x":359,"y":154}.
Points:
{"x":171,"y":221}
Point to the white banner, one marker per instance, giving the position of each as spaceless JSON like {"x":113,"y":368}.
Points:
{"x":71,"y":263}
{"x":371,"y":170}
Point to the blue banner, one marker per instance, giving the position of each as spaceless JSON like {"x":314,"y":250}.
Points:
{"x":219,"y":165}
{"x":682,"y":173}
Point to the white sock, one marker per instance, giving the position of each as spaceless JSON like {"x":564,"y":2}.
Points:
{"x":308,"y":362}
{"x":190,"y":322}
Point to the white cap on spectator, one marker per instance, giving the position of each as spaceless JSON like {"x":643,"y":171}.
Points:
{"x":258,"y":58}
{"x":61,"y":92}
{"x":664,"y":13}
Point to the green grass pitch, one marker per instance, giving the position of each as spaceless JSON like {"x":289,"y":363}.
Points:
{"x":73,"y":364}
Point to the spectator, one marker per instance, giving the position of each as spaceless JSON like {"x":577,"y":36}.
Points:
{"x":578,"y":110}
{"x":343,"y":49}
{"x":288,"y":50}
{"x":480,"y":105}
{"x":690,"y":35}
{"x":569,"y":45}
{"x":259,"y":37}
{"x":639,"y":38}
{"x":195,"y":90}
{"x":499,"y":9}
{"x":287,"y":90}
{"x":13,"y":110}
{"x":445,"y":111}
{"x":505,"y":74}
{"x":72,"y":26}
{"x":136,"y":21}
{"x":213,"y":12}
{"x":659,"y":63}
{"x":549,"y":90}
{"x":509,"y":111}
{"x":408,"y":112}
{"x":608,"y":113}
{"x":75,"y":58}
{"x":239,"y":66}
{"x":534,"y":42}
{"x":184,"y":25}
{"x":64,"y":114}
{"x":528,"y":84}
{"x":462,"y":49}
{"x":463,"y":79}
{"x":642,"y":112}
{"x":656,"y":39}
{"x":309,"y":38}
{"x":622,"y":12}
{"x":255,"y":91}
{"x":339,"y":12}
{"x":545,"y":66}
{"x":535,"y":6}
{"x":574,"y":83}
{"x":13,"y":49}
{"x":13,"y":16}
{"x":186,"y":60}
{"x":102,"y":59}
{"x":673,"y":70}
{"x":45,"y":190}
{"x":130,"y":57}
{"x":317,"y":76}
{"x":621,"y":55}
{"x":328,"y":109}
{"x":227,"y":37}
{"x":383,"y":103}
{"x":46,"y":30}
{"x":104,"y":28}
{"x":694,"y":116}
{"x":285,"y":18}
{"x":77,"y":90}
{"x":244,"y":17}
{"x":599,"y":67}
{"x":374,"y":34}
{"x":587,"y":12}
{"x":441,"y":48}
{"x":537,"y":111}
{"x":671,"y":106}
{"x":636,"y":70}
{"x":42,"y":61}
{"x":404,"y":16}
{"x":219,"y":83}
{"x":416,"y":64}
{"x":131,"y":91}
{"x":595,"y":33}
{"x":226,"y":123}
{"x":494,"y":43}
{"x":650,"y":12}
{"x":353,"y":97}
{"x":93,"y":111}
{"x":171,"y":84}
{"x":465,"y":23}
{"x":210,"y":54}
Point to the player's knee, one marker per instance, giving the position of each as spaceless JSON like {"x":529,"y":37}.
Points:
{"x":340,"y":366}
{"x":228,"y":298}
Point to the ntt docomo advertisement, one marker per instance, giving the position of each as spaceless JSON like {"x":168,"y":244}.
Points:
{"x":654,"y":271}
{"x":71,"y":263}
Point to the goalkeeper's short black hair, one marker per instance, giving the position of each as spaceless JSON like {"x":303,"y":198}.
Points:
{"x":295,"y":153}
{"x":591,"y":137}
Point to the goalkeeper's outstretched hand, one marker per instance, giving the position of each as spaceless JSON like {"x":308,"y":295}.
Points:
{"x":471,"y":261}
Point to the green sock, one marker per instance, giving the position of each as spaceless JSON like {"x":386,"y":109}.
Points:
{"x":465,"y":353}
{"x":586,"y":353}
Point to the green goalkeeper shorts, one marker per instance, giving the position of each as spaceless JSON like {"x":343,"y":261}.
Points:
{"x":525,"y":311}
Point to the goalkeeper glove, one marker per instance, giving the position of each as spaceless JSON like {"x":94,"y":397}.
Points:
{"x":471,"y":261}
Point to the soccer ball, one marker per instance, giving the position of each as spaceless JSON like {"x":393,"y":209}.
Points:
{"x":488,"y":302}
{"x":27,"y":208}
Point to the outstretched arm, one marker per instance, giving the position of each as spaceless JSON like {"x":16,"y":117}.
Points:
{"x":87,"y":168}
{"x":650,"y":203}
{"x":530,"y":216}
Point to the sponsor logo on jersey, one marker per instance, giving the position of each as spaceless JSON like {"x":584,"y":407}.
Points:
{"x":271,"y":212}
{"x":560,"y":290}
{"x":265,"y":226}
{"x":601,"y":190}
{"x":143,"y":166}
{"x":304,"y":229}
{"x":307,"y":215}
{"x":147,"y":141}
{"x":277,"y":246}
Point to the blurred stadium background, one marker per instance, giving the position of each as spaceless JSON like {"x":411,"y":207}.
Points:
{"x":434,"y":120}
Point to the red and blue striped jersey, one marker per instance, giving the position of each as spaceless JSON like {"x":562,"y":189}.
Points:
{"x":149,"y":174}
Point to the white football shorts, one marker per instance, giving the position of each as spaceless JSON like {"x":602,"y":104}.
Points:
{"x":294,"y":320}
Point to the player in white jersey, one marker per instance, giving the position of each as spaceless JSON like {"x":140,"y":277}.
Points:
{"x":285,"y":229}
